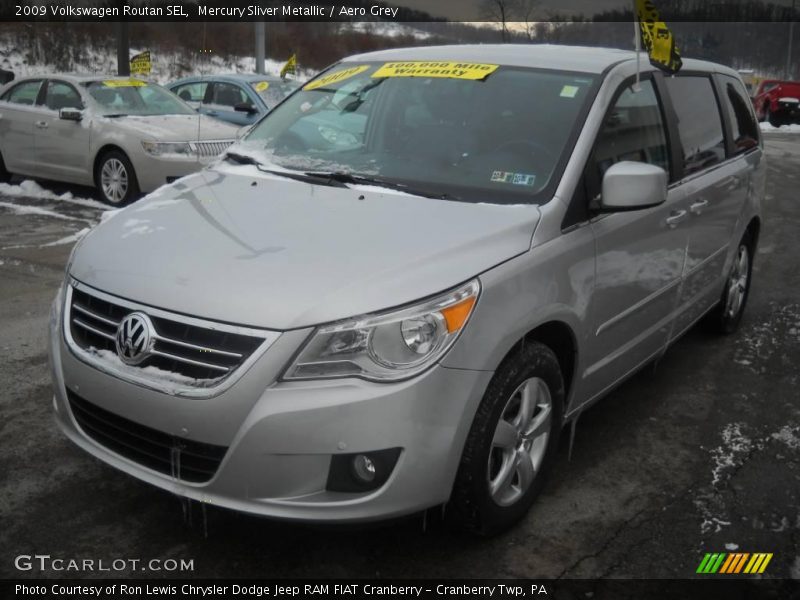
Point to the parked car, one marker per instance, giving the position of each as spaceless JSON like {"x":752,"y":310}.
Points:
{"x":125,"y":136}
{"x":356,"y":332}
{"x":240,"y":99}
{"x":6,"y":76}
{"x":778,"y":102}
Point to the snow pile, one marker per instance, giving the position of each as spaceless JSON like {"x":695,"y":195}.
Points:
{"x":793,"y":128}
{"x":31,"y":189}
{"x":22,"y":209}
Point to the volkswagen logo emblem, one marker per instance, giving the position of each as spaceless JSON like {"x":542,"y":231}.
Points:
{"x":135,"y":337}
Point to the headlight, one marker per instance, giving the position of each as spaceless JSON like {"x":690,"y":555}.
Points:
{"x":168,"y":148}
{"x":389,"y":346}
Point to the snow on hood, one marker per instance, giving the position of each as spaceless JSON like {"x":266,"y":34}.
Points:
{"x":175,"y":128}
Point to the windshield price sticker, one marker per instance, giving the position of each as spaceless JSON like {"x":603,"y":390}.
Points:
{"x":124,"y":83}
{"x":261,"y":86}
{"x":453,"y":70}
{"x":335,"y":77}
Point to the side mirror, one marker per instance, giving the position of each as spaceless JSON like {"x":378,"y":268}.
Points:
{"x":631,"y":185}
{"x":70,"y":114}
{"x":245,"y":107}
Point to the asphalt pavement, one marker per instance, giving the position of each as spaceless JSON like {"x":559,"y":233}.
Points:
{"x":699,"y":453}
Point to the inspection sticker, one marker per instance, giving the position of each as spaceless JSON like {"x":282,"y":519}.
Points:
{"x":513,"y":178}
{"x":453,"y":70}
{"x":335,"y":77}
{"x":261,"y":86}
{"x":124,"y":83}
{"x":569,"y":91}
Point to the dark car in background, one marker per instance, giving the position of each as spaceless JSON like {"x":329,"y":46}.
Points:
{"x":778,"y":102}
{"x":240,"y":99}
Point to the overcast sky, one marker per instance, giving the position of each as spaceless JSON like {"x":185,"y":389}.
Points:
{"x":469,"y":10}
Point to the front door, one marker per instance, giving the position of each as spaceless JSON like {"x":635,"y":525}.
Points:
{"x":18,"y":112}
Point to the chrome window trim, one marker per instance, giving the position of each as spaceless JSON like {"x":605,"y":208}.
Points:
{"x":133,"y":374}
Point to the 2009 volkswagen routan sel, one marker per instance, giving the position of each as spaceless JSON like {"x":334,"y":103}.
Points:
{"x":407,"y":278}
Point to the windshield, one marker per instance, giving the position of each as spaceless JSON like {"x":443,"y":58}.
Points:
{"x":272,"y":92}
{"x":134,"y":97}
{"x":465,"y":131}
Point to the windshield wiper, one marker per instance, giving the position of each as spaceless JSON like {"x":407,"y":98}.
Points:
{"x":344,"y":177}
{"x":245,"y":159}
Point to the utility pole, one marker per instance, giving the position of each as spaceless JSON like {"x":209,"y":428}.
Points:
{"x":123,"y":50}
{"x":788,"y":71}
{"x":261,"y":45}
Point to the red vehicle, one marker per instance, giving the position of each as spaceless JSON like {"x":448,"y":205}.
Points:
{"x":778,"y":101}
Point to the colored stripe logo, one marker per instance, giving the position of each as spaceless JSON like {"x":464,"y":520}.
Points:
{"x":734,"y":563}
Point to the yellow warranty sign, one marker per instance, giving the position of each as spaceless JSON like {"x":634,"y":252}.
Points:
{"x":453,"y":70}
{"x":261,"y":86}
{"x":124,"y":83}
{"x":335,"y":77}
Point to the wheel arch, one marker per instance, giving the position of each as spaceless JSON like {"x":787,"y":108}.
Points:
{"x":105,"y":149}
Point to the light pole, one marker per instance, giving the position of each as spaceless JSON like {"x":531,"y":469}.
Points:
{"x":261,"y":43}
{"x":788,"y":71}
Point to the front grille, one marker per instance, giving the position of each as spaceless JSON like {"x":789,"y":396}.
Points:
{"x":183,"y":352}
{"x":180,"y":458}
{"x":210,"y":149}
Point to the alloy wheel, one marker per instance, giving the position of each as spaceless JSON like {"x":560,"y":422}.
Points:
{"x":737,"y":282}
{"x":114,"y":180}
{"x":520,"y":441}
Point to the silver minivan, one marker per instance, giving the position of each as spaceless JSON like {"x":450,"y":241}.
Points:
{"x":400,"y":286}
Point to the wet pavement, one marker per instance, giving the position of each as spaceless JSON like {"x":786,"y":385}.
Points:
{"x":700,"y":453}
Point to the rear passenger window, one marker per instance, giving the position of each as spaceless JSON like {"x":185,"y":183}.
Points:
{"x":699,"y":122}
{"x":740,"y":111}
{"x":227,"y":94}
{"x":23,"y":93}
{"x":633,"y":130}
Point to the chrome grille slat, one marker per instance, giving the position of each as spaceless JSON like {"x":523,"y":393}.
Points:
{"x":211,"y":148}
{"x":198,"y":348}
{"x":191,"y":356}
{"x":189,"y":361}
{"x":94,"y":330}
{"x":89,"y":313}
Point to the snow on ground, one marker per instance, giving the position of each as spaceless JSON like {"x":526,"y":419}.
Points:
{"x":31,"y":189}
{"x":793,"y":128}
{"x":22,"y":209}
{"x":167,"y":66}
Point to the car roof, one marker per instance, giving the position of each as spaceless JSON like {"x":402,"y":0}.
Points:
{"x":234,"y":77}
{"x":78,"y":78}
{"x":583,"y":59}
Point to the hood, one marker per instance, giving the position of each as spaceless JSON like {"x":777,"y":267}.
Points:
{"x":176,"y":128}
{"x":232,"y":244}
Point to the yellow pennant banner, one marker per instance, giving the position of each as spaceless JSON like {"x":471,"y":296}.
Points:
{"x":453,"y":70}
{"x":657,"y":38}
{"x":141,"y":64}
{"x":290,"y":66}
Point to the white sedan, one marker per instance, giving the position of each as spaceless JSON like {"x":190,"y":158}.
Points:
{"x":125,"y":136}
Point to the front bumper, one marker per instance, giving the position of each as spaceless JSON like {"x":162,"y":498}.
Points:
{"x":154,"y":171}
{"x":280,"y":436}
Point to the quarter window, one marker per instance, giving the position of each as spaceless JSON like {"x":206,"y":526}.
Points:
{"x":24,"y":93}
{"x":61,"y":95}
{"x":633,"y":130}
{"x":191,"y":92}
{"x":740,"y":110}
{"x":699,"y":122}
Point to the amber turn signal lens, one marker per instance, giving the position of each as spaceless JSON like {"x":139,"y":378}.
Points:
{"x":457,"y":315}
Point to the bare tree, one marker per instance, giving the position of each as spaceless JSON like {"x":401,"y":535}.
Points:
{"x":524,"y":12}
{"x":499,"y":11}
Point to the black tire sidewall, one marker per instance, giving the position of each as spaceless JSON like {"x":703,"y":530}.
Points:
{"x":4,"y":174}
{"x":474,"y":509}
{"x":133,"y":185}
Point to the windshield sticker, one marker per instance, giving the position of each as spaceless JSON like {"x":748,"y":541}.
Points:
{"x":335,"y":77}
{"x":261,"y":86}
{"x":569,"y":91}
{"x":124,"y":83}
{"x":453,"y":70}
{"x":513,"y":178}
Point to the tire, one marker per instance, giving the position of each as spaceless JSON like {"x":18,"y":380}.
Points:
{"x":4,"y":174}
{"x":480,"y":503}
{"x":115,"y":179}
{"x":770,"y":116}
{"x":727,"y":315}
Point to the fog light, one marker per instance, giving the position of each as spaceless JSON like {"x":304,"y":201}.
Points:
{"x":364,"y":468}
{"x":362,"y":472}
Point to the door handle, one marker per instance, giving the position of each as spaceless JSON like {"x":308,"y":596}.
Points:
{"x":41,"y":124}
{"x":698,"y":206}
{"x":675,"y":217}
